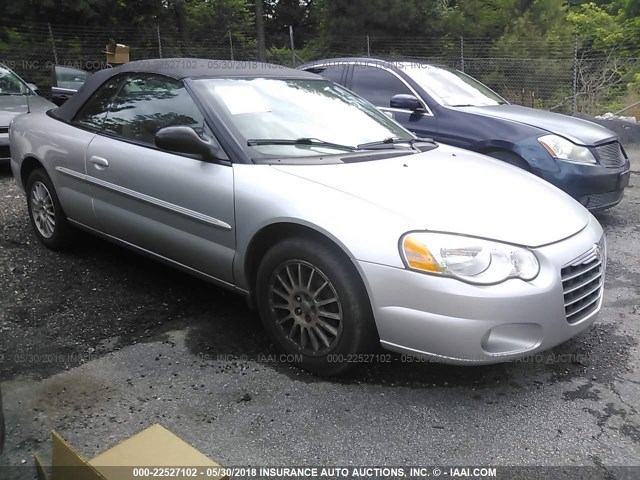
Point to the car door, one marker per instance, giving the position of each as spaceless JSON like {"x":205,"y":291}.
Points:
{"x":65,"y":81}
{"x":68,"y":155}
{"x":378,"y":85}
{"x":175,"y":206}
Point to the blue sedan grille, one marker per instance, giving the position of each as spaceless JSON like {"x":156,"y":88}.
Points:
{"x":610,"y":155}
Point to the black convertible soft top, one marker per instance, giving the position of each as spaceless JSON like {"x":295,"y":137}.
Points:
{"x":179,"y":68}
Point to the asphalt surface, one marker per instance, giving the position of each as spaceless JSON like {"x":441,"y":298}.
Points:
{"x":99,"y":343}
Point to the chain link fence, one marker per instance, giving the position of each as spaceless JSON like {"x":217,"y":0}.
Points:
{"x":562,"y":76}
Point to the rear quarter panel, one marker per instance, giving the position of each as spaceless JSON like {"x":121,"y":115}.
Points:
{"x":60,"y":148}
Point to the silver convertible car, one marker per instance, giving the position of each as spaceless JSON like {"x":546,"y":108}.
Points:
{"x":341,"y":227}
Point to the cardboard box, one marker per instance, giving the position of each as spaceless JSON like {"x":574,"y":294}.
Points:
{"x":154,"y":448}
{"x":117,"y":53}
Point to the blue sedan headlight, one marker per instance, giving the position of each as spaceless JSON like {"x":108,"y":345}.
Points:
{"x":563,"y":149}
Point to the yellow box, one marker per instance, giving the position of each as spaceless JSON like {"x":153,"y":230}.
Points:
{"x":155,"y":448}
{"x":117,"y":53}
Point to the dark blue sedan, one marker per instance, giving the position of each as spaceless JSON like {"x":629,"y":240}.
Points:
{"x":584,"y":159}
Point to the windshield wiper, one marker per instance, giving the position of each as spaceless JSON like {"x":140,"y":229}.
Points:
{"x":391,"y":141}
{"x":298,"y":141}
{"x":12,"y":94}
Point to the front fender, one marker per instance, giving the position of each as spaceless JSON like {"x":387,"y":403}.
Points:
{"x":266,"y":196}
{"x":536,"y":155}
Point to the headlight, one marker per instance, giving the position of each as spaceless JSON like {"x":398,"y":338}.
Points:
{"x":470,"y":259}
{"x":563,"y":149}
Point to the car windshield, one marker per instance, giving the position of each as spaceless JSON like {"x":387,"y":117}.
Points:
{"x":297,"y":118}
{"x":451,"y":87}
{"x":10,"y":83}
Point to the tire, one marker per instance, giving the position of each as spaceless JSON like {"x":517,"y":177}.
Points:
{"x":319,"y":327}
{"x":510,"y":158}
{"x":45,"y":212}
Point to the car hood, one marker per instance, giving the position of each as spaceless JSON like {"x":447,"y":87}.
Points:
{"x":12,"y":105}
{"x":453,"y":190}
{"x":575,"y":129}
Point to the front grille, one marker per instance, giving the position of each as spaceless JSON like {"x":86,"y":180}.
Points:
{"x":4,"y":129}
{"x":610,"y":155}
{"x":582,"y":283}
{"x":4,"y":151}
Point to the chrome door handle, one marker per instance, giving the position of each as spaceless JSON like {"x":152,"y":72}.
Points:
{"x":99,"y":162}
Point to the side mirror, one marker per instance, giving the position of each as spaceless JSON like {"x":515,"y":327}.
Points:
{"x":406,"y":102}
{"x":32,"y":86}
{"x":181,"y":139}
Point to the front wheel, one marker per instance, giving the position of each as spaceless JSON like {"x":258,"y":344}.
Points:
{"x":47,"y":218}
{"x":314,"y":305}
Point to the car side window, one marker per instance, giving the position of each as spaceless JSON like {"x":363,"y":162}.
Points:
{"x":148,"y":103}
{"x":94,"y":111}
{"x":330,"y":72}
{"x":377,"y":85}
{"x":67,"y":77}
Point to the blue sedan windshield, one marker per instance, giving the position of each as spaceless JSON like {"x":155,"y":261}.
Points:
{"x":451,"y":87}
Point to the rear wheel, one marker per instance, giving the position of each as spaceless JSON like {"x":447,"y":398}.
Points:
{"x":47,"y":218}
{"x":314,"y":305}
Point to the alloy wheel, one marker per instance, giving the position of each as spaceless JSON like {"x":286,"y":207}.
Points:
{"x":42,"y":209}
{"x":306,"y":307}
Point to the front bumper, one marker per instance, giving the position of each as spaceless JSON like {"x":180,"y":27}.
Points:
{"x":596,"y":187}
{"x":455,"y":322}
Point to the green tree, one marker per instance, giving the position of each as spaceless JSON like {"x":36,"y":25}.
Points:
{"x":540,"y":29}
{"x":596,"y":26}
{"x":303,"y":15}
{"x":219,"y":15}
{"x":407,"y":18}
{"x":106,"y":13}
{"x":488,"y":19}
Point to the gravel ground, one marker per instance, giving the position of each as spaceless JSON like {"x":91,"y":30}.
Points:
{"x":99,"y":343}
